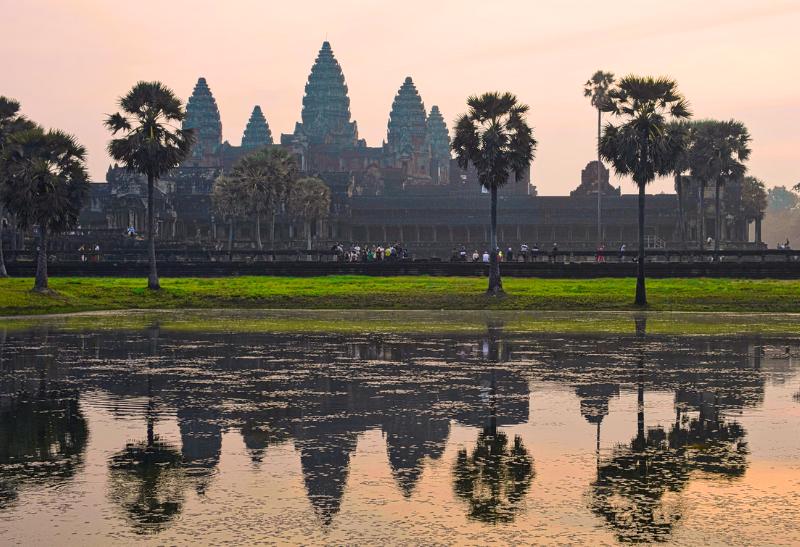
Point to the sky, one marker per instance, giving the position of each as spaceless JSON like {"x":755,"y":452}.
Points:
{"x":68,"y":61}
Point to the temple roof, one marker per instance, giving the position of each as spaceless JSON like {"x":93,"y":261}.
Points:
{"x":202,"y":115}
{"x":257,"y":133}
{"x":407,"y":120}
{"x":438,"y":136}
{"x":326,"y":105}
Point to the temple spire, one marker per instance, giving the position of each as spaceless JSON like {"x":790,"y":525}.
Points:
{"x":326,"y":105}
{"x":406,"y":138}
{"x":202,"y":115}
{"x":439,"y":140}
{"x":257,"y":133}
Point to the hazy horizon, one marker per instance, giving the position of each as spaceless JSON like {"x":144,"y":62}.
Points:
{"x":731,"y":59}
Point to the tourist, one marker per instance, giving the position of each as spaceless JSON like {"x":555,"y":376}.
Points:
{"x":535,"y":252}
{"x":622,"y":249}
{"x":462,"y":254}
{"x":510,"y":255}
{"x":476,"y":256}
{"x":523,"y":251}
{"x":598,"y":257}
{"x":486,"y":256}
{"x":499,"y":255}
{"x":554,"y":253}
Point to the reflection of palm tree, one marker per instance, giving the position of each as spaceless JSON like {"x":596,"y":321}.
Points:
{"x":494,"y":479}
{"x":146,"y":478}
{"x":147,"y":482}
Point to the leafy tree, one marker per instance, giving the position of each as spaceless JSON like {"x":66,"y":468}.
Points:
{"x":780,"y":198}
{"x":754,"y":198}
{"x":494,"y":137}
{"x":150,"y":144}
{"x":718,"y":151}
{"x":266,"y":176}
{"x":46,"y":185}
{"x":230,"y":198}
{"x":641,"y":145}
{"x":597,"y":88}
{"x":309,"y":200}
{"x":10,"y":122}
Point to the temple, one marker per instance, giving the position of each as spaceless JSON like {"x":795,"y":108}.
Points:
{"x":408,"y":190}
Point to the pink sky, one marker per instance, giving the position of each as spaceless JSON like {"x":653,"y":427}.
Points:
{"x":68,"y":61}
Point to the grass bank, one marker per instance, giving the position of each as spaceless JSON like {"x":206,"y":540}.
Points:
{"x":388,"y":293}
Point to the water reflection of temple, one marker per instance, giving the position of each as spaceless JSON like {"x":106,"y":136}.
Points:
{"x":320,"y":393}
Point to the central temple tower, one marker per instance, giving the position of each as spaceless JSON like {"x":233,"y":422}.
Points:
{"x":326,"y":105}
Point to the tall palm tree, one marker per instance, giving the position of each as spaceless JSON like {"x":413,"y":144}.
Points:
{"x":309,"y":200}
{"x":494,"y":137}
{"x":681,"y":131}
{"x":640,"y":145}
{"x":718,"y":151}
{"x":47,"y":186}
{"x":151,"y":144}
{"x":597,"y":88}
{"x":266,"y":174}
{"x":10,"y":122}
{"x":230,"y":199}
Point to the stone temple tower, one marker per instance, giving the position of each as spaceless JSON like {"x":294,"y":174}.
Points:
{"x":257,"y":133}
{"x":326,"y":105}
{"x":407,"y":144}
{"x":439,"y":140}
{"x":202,"y":115}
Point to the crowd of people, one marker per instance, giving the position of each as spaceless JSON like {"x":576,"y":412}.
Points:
{"x":370,"y":253}
{"x":525,"y":254}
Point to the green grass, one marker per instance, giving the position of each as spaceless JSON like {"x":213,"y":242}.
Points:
{"x":389,"y":293}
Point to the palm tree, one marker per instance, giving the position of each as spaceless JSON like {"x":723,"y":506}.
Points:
{"x":597,"y":88}
{"x":640,"y":145}
{"x":718,"y":151}
{"x":10,"y":122}
{"x":754,"y":202}
{"x":266,"y":175}
{"x":309,"y":200}
{"x":47,"y":184}
{"x":494,"y":137}
{"x":230,"y":199}
{"x":681,"y":131}
{"x":150,"y":144}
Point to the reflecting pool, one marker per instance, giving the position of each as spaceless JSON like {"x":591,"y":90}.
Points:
{"x":399,"y":428}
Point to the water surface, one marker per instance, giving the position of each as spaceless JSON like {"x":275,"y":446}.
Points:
{"x":337,"y":428}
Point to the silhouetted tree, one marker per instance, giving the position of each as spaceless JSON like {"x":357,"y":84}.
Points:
{"x":494,"y":137}
{"x":641,"y":145}
{"x":150,"y":145}
{"x":46,"y":185}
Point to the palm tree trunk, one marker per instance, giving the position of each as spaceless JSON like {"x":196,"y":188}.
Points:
{"x":40,"y":284}
{"x":599,"y":199}
{"x":152,"y":278}
{"x":495,"y":283}
{"x":717,"y":226}
{"x":3,"y":272}
{"x":258,"y":232}
{"x":681,"y":214}
{"x":230,"y":239}
{"x":641,"y":293}
{"x":308,"y":235}
{"x":702,"y":215}
{"x":272,"y":230}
